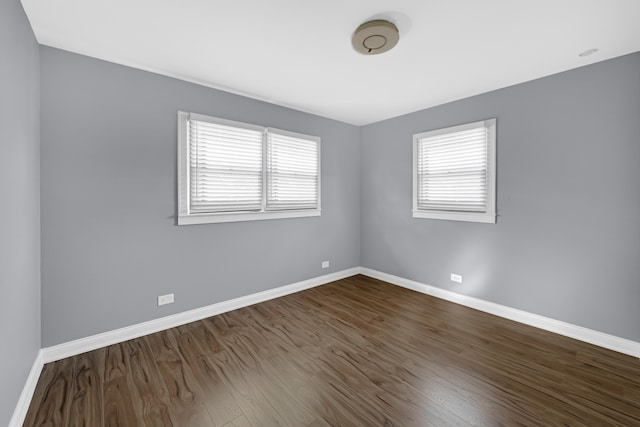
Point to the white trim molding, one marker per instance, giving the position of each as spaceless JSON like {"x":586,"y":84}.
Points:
{"x":82,"y":345}
{"x":93,"y":342}
{"x":19,"y":414}
{"x":482,"y":133}
{"x":211,"y":218}
{"x":601,"y":339}
{"x":72,"y":348}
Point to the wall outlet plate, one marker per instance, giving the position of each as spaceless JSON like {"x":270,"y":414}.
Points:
{"x":165,"y":299}
{"x":456,"y":278}
{"x":325,"y":264}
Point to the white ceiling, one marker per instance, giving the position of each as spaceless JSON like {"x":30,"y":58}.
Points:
{"x":298,"y":53}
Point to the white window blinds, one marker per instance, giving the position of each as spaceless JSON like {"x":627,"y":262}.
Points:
{"x":454,"y":173}
{"x":232,"y":171}
{"x":292,"y":172}
{"x":225,"y":168}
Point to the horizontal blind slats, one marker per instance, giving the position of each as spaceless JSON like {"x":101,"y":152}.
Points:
{"x":456,"y":147}
{"x":226,"y":168}
{"x":452,"y":171}
{"x":455,"y":137}
{"x":292,"y":172}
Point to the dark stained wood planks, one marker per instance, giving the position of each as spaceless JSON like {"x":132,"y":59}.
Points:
{"x":356,"y":352}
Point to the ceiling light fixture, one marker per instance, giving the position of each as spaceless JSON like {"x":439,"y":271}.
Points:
{"x":375,"y":37}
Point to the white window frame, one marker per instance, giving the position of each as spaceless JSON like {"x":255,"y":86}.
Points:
{"x":185,"y":217}
{"x":489,"y":215}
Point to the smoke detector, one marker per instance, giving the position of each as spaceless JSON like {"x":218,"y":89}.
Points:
{"x":374,"y":37}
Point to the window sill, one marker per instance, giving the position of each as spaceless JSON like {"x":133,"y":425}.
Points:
{"x":457,"y":216}
{"x":213,"y":218}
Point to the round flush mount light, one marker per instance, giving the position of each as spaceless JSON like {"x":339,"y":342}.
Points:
{"x":588,"y":52}
{"x":375,"y":37}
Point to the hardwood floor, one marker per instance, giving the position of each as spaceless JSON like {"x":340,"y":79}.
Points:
{"x":357,"y":352}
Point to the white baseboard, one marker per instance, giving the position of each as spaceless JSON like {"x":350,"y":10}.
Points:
{"x":72,"y":348}
{"x":24,"y":401}
{"x":93,"y":342}
{"x":621,"y":345}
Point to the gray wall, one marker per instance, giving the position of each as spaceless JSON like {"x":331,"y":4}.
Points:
{"x":565,"y":244}
{"x":20,"y":204}
{"x":110,"y":245}
{"x":567,"y":241}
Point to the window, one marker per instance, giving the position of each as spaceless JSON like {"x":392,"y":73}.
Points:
{"x":231,"y":171}
{"x":454,"y":173}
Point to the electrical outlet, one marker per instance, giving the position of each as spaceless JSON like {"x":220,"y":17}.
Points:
{"x":165,"y":299}
{"x":456,"y":278}
{"x":325,"y":264}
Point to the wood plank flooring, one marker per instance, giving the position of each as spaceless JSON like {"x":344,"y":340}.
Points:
{"x":357,"y":352}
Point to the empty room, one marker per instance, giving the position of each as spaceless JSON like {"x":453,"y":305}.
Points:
{"x":289,"y":213}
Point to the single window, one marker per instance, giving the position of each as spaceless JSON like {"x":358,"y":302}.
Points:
{"x":292,"y":171}
{"x":232,"y":171}
{"x":454,"y":172}
{"x":225,"y":165}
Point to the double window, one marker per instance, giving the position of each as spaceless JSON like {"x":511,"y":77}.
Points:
{"x":454,"y":173}
{"x":232,"y":171}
